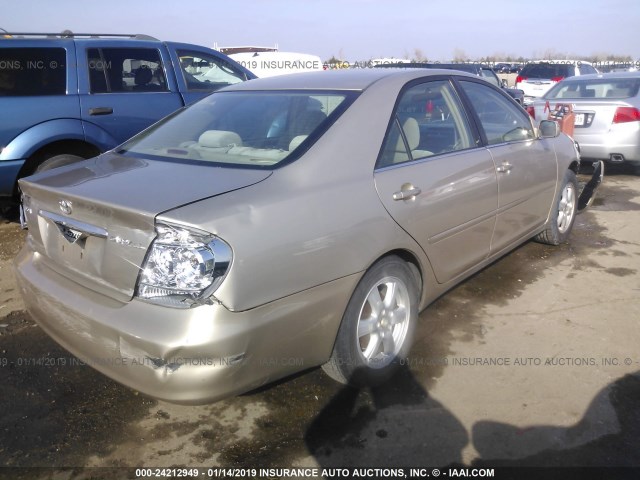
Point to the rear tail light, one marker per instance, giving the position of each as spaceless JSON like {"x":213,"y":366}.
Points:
{"x":626,"y":114}
{"x":531,"y":111}
{"x":557,"y":79}
{"x":520,"y":78}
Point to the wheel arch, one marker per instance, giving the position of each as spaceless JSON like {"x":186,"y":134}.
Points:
{"x":77,"y":147}
{"x":420,"y":268}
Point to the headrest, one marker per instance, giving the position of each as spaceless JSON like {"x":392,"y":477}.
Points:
{"x":412,"y":132}
{"x":219,"y":138}
{"x":295,"y":143}
{"x":143,"y":76}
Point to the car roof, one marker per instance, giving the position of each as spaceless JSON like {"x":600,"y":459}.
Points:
{"x":357,"y":79}
{"x":10,"y":36}
{"x":604,"y":76}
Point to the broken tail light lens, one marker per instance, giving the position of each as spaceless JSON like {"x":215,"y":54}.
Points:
{"x":183,"y":267}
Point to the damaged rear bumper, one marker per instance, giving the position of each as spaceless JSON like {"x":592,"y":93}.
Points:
{"x":191,"y":356}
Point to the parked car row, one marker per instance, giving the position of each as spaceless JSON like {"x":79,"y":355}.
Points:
{"x":507,"y":67}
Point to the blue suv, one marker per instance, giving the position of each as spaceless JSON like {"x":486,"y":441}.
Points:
{"x":67,"y":97}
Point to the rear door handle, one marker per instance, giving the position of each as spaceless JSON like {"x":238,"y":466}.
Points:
{"x":407,"y":192}
{"x":101,"y":111}
{"x":505,"y":168}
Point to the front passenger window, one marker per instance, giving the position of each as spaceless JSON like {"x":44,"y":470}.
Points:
{"x":206,"y":72}
{"x":501,"y":121}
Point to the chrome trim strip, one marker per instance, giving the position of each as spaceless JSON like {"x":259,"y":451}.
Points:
{"x":83,"y":227}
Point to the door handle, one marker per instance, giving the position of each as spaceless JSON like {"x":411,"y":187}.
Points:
{"x":504,"y":168}
{"x":101,"y":111}
{"x":407,"y":192}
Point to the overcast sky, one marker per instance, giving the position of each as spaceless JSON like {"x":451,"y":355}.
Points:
{"x":354,"y":29}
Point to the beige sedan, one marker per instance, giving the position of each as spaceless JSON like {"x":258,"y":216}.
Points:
{"x":286,"y":223}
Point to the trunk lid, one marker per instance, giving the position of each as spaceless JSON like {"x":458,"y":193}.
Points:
{"x":93,"y":222}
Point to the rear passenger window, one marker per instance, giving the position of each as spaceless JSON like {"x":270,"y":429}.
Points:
{"x":32,"y":71}
{"x":429,"y":120}
{"x":125,"y":70}
{"x":501,"y":120}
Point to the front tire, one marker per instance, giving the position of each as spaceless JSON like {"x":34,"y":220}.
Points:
{"x":377,"y":326}
{"x":563,"y":214}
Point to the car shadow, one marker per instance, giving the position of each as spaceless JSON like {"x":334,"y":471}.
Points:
{"x":551,"y":446}
{"x":611,"y":169}
{"x":396,"y":424}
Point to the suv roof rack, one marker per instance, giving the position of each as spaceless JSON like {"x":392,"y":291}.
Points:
{"x":136,"y":36}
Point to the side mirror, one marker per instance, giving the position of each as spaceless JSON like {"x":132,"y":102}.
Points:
{"x":504,"y":83}
{"x":549,"y":129}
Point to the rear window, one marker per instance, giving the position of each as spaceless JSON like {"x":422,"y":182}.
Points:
{"x":256,"y":129}
{"x":32,"y":71}
{"x":596,"y":88}
{"x":547,"y":70}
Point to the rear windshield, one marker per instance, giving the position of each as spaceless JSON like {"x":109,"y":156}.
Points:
{"x":255,"y":129}
{"x":547,"y":70}
{"x":596,"y":88}
{"x":32,"y":71}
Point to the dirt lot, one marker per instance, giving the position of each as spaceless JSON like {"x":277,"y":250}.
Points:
{"x":534,"y":361}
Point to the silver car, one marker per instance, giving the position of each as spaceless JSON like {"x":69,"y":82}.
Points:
{"x":607,"y":114}
{"x":287,"y":223}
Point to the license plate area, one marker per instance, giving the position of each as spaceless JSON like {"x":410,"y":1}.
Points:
{"x":583,"y":119}
{"x":74,"y":245}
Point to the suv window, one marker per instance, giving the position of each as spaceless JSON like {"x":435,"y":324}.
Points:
{"x":429,"y":120}
{"x":547,"y":70}
{"x":125,"y":70}
{"x":32,"y":71}
{"x":500,"y":119}
{"x":207,"y":72}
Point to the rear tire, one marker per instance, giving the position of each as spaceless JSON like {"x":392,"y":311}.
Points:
{"x":563,"y":214}
{"x":58,"y":161}
{"x":377,"y":326}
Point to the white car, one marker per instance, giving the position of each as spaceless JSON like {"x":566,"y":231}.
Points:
{"x":536,"y":78}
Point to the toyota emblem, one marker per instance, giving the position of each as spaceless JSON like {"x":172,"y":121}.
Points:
{"x":65,"y":207}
